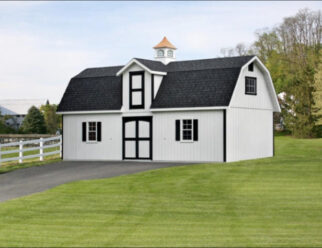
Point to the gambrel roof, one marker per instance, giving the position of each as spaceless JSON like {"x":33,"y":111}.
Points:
{"x":191,"y":83}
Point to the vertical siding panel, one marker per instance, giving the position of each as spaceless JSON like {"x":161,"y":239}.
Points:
{"x":110,"y":148}
{"x":250,"y":134}
{"x":207,"y":148}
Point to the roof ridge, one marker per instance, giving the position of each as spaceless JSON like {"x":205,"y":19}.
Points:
{"x":152,"y":60}
{"x":103,"y":67}
{"x":232,"y":57}
{"x":96,"y":76}
{"x":208,"y":69}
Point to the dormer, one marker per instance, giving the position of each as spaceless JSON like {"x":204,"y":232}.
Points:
{"x":141,"y":80}
{"x":165,"y":51}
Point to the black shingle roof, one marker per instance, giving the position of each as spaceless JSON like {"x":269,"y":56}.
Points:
{"x":194,"y":83}
{"x":153,"y":65}
{"x":95,"y":93}
{"x":202,"y":88}
{"x":204,"y":64}
{"x":99,"y":72}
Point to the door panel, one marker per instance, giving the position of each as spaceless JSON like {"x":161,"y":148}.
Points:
{"x":130,"y":149}
{"x":144,"y":149}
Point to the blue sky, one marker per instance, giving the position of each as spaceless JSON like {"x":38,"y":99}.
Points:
{"x":44,"y":44}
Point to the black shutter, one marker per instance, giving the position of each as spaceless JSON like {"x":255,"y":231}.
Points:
{"x":99,"y":132}
{"x":84,"y":132}
{"x":195,"y":130}
{"x":177,"y":130}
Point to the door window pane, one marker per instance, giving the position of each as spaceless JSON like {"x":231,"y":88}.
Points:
{"x":144,"y":129}
{"x":130,"y":129}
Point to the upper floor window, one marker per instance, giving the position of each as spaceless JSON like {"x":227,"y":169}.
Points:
{"x":160,"y":53}
{"x":251,"y":67}
{"x":136,"y":90}
{"x":170,"y":53}
{"x":250,"y":86}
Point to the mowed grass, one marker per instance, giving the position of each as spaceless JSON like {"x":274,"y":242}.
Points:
{"x":275,"y":202}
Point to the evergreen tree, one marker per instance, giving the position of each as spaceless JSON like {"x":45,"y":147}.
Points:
{"x":34,"y":122}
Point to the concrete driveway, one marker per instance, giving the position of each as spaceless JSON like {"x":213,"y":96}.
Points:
{"x":36,"y":179}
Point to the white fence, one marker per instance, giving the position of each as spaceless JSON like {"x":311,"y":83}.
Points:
{"x":32,"y":147}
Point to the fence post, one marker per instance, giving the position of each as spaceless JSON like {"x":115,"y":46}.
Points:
{"x":61,"y":146}
{"x":41,"y":149}
{"x":20,"y":151}
{"x":0,"y":155}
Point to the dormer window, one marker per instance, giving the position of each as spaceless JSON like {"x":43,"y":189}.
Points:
{"x":137,"y":90}
{"x":170,"y":53}
{"x":160,"y":53}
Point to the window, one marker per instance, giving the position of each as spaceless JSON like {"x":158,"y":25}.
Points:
{"x":251,"y":67}
{"x":170,"y":53}
{"x":136,"y":90}
{"x":160,"y":53}
{"x":186,"y":130}
{"x":91,"y":131}
{"x":250,"y":86}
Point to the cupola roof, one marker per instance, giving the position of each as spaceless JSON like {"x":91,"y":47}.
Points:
{"x":165,"y":44}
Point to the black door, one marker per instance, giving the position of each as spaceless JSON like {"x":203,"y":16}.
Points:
{"x":137,"y":137}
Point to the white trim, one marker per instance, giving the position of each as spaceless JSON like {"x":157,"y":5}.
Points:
{"x":89,"y":112}
{"x":187,"y":109}
{"x":141,"y":65}
{"x":277,"y":107}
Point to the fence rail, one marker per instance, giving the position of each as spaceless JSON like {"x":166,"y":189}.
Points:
{"x":40,"y":147}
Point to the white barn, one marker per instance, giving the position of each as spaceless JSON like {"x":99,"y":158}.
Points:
{"x":210,"y":110}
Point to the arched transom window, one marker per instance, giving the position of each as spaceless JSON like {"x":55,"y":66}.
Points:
{"x":170,"y":53}
{"x":160,"y":53}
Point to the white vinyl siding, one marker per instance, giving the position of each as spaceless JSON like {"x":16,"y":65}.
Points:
{"x":110,"y":148}
{"x":262,"y":99}
{"x":249,"y":134}
{"x":209,"y":146}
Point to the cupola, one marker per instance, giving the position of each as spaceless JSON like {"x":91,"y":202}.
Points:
{"x":165,"y":51}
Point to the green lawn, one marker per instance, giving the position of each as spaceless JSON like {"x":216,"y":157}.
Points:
{"x":274,"y":202}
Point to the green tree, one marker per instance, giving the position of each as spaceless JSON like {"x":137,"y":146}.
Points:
{"x":292,"y":53}
{"x":34,"y":122}
{"x":4,"y":129}
{"x":52,"y":120}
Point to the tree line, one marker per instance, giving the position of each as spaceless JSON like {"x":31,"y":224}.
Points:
{"x":292,"y":53}
{"x":37,"y":121}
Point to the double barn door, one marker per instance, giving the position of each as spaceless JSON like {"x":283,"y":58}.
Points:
{"x":137,"y":137}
